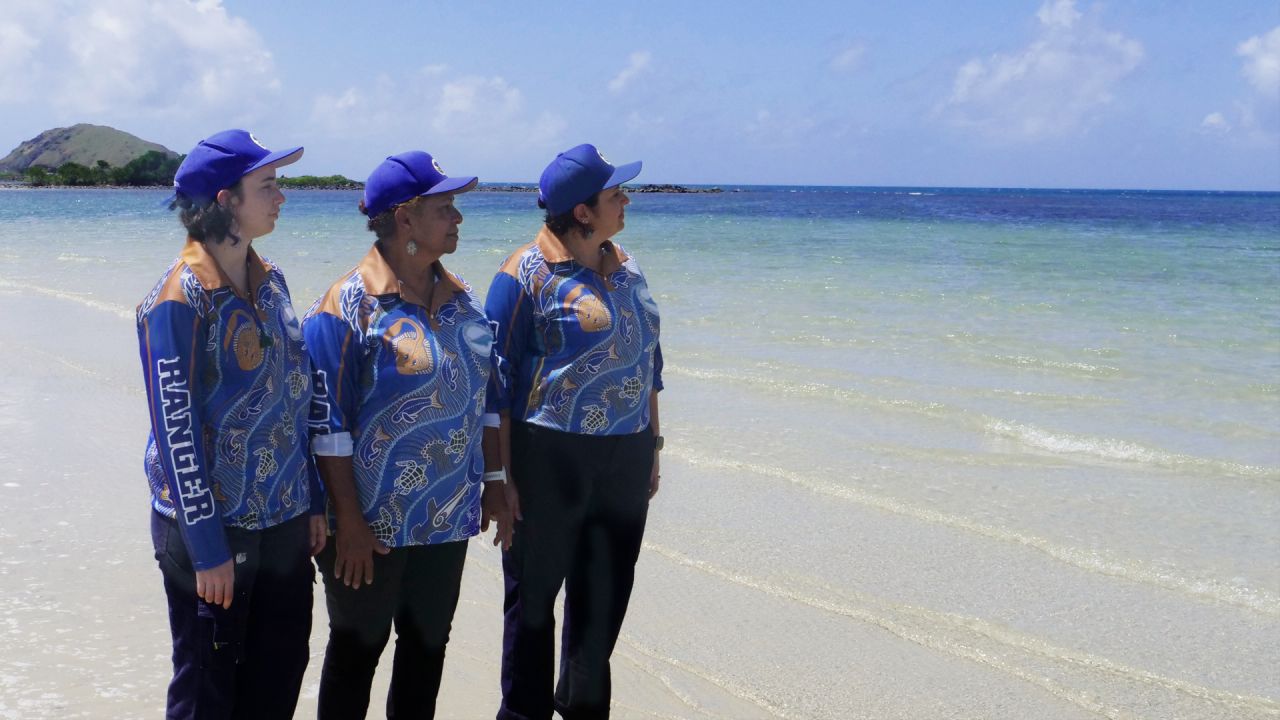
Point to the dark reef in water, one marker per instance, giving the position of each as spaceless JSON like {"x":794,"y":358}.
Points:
{"x":665,"y":188}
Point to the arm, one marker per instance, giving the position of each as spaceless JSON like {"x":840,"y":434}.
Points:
{"x":504,"y":450}
{"x":353,"y":540}
{"x":169,"y":336}
{"x":318,"y":523}
{"x":494,"y":500}
{"x":655,"y":477}
{"x":335,"y":357}
{"x":511,"y":318}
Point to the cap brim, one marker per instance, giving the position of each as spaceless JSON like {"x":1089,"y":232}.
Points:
{"x":453,"y":185}
{"x":279,"y":158}
{"x":623,"y":173}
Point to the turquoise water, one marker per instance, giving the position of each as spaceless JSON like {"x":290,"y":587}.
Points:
{"x":1093,"y":377}
{"x":1143,"y":318}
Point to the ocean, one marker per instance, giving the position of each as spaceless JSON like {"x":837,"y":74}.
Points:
{"x":931,"y":452}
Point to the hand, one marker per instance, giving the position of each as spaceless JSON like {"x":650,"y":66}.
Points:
{"x":355,"y":548}
{"x":319,"y":533}
{"x":216,"y":586}
{"x":512,"y":496}
{"x":493,"y":505}
{"x":655,"y":477}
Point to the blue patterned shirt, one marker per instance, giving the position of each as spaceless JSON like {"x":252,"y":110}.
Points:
{"x":404,"y":382}
{"x":578,"y":350}
{"x":229,"y":387}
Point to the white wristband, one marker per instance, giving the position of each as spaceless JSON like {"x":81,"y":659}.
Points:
{"x":495,"y":476}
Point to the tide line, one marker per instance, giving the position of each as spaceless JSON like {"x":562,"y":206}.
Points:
{"x":879,"y":615}
{"x":731,"y":688}
{"x":661,"y":677}
{"x":1090,"y":560}
{"x":1078,"y":698}
{"x":112,"y":308}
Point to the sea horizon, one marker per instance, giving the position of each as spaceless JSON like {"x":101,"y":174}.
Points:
{"x":760,"y":187}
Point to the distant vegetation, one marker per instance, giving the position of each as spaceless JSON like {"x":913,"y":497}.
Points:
{"x":151,"y":168}
{"x":327,"y":182}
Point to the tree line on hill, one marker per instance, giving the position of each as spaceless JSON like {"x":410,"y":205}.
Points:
{"x":150,"y":168}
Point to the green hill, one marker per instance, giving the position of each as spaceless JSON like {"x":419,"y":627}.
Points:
{"x":83,"y":144}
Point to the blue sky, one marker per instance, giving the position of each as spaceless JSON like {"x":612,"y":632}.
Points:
{"x":1047,"y":93}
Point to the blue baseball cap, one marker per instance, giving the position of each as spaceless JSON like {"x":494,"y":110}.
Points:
{"x":577,"y":174}
{"x":220,"y":160}
{"x":402,"y":177}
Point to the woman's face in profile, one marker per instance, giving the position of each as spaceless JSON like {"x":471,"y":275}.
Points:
{"x":435,"y":224}
{"x":608,"y":217}
{"x":258,"y":207}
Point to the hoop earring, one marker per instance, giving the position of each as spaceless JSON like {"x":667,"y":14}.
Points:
{"x":411,"y":247}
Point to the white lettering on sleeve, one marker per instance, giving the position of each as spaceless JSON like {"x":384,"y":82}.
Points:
{"x":175,"y":400}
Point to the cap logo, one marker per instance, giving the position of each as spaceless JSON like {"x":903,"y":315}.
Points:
{"x":436,"y":164}
{"x":257,"y":142}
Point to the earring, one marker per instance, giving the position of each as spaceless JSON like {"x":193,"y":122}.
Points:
{"x":411,"y":247}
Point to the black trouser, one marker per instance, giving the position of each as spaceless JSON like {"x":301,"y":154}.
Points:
{"x":246,"y":661}
{"x":584,"y":499}
{"x":414,"y":587}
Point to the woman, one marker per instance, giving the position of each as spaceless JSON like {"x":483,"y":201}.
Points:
{"x":229,"y":387}
{"x":405,"y":354}
{"x":577,"y":335}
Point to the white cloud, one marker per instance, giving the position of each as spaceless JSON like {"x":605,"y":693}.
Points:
{"x":17,"y":46}
{"x":639,"y":62}
{"x":132,"y":57}
{"x":1215,"y":123}
{"x":1262,"y":62}
{"x":1059,"y":13}
{"x":849,"y":59}
{"x":476,"y":118}
{"x":1053,"y":87}
{"x":1255,"y":118}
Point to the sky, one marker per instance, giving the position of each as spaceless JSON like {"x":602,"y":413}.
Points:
{"x":1044,"y":93}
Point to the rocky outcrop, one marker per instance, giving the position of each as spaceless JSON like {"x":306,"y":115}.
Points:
{"x":83,"y":144}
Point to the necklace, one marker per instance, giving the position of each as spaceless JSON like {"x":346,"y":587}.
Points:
{"x":264,"y":338}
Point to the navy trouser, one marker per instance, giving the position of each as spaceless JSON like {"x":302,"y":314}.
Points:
{"x":414,"y":587}
{"x":246,"y":661}
{"x":584,"y":500}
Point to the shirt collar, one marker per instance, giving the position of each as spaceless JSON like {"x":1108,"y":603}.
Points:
{"x":210,"y":273}
{"x":554,"y":251}
{"x":380,"y":279}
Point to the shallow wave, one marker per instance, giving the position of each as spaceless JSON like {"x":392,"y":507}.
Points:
{"x":1037,"y":438}
{"x":813,"y":389}
{"x":1098,"y":561}
{"x":1082,"y":368}
{"x":1115,"y":449}
{"x":72,"y":257}
{"x":112,"y":308}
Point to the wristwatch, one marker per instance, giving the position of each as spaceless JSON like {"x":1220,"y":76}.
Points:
{"x":657,"y":443}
